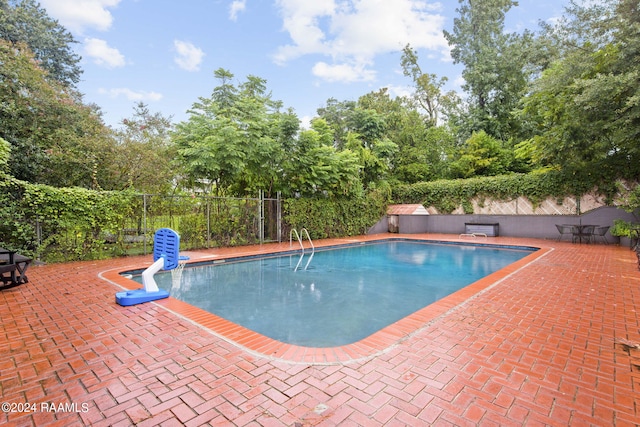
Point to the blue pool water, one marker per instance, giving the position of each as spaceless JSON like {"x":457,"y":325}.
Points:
{"x":337,"y":296}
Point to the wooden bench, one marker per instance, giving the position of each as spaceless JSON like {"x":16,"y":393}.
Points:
{"x":13,"y":269}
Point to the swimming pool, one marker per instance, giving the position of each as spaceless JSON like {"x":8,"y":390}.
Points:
{"x":335,"y":296}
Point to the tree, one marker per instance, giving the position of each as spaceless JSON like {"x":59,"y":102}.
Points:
{"x":337,"y":113}
{"x":495,"y":73}
{"x":24,"y":21}
{"x":420,"y":151}
{"x":55,"y":139}
{"x":317,"y":168}
{"x":143,"y":153}
{"x":585,"y":107}
{"x":240,"y":141}
{"x":261,"y":138}
{"x":368,"y":124}
{"x":234,"y":140}
{"x":426,"y":154}
{"x":482,"y":155}
{"x":428,"y":87}
{"x":5,"y":153}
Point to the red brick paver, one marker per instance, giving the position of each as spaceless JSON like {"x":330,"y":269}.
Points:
{"x":553,"y":342}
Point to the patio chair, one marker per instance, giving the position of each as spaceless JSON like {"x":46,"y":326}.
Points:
{"x":7,"y":276}
{"x":600,"y":232}
{"x":564,"y":229}
{"x":13,"y":269}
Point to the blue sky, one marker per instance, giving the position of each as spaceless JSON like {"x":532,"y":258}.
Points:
{"x":164,"y":52}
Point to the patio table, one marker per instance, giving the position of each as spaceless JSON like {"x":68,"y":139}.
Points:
{"x":583,"y":231}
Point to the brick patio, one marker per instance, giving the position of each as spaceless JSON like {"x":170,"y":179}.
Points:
{"x":553,"y":342}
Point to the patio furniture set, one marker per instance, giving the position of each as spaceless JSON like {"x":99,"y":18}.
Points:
{"x":588,"y":233}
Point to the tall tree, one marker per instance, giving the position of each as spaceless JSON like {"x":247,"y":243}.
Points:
{"x":240,"y":141}
{"x":234,"y":139}
{"x":585,"y":106}
{"x":316,"y":167}
{"x":494,"y":75}
{"x":428,"y":87}
{"x":24,"y":21}
{"x":144,"y":152}
{"x":420,"y":150}
{"x":337,"y":113}
{"x":55,"y":138}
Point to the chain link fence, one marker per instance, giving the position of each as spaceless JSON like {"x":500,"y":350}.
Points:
{"x":201,"y":221}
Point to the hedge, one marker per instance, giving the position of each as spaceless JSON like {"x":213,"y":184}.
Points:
{"x":448,"y":195}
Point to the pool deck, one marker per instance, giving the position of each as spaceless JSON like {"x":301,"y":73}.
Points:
{"x":552,"y":340}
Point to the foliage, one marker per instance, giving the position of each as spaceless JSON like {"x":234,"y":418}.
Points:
{"x":631,"y":203}
{"x":5,"y":153}
{"x":481,"y":155}
{"x":428,"y":87}
{"x":235,"y":139}
{"x":495,"y":71}
{"x":25,"y":22}
{"x":392,"y":140}
{"x":74,"y":220}
{"x":55,"y":139}
{"x":316,"y":166}
{"x":585,"y":107}
{"x":336,"y":217}
{"x":620,"y":228}
{"x":65,"y":224}
{"x":239,"y":142}
{"x":142,"y":158}
{"x":336,"y":114}
{"x":448,"y":195}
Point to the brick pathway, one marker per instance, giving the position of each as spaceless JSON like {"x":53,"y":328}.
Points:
{"x":556,"y":342}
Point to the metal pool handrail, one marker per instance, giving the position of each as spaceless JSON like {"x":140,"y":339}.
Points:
{"x":299,"y":237}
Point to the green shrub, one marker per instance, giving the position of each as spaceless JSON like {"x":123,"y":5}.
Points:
{"x":337,"y":217}
{"x":60,"y":224}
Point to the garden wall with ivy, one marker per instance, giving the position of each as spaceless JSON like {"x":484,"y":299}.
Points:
{"x":530,"y":191}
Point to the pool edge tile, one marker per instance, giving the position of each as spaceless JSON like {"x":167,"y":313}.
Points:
{"x":368,"y":347}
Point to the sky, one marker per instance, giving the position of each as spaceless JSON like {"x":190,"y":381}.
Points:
{"x":164,"y":52}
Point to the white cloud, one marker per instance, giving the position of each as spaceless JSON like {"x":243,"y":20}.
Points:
{"x":77,"y":15}
{"x":353,"y":32}
{"x":189,"y":56}
{"x":103,"y":54}
{"x":305,"y":122}
{"x":236,"y":7}
{"x":404,"y":91}
{"x":131,"y":95}
{"x":459,"y":81}
{"x":345,"y":73}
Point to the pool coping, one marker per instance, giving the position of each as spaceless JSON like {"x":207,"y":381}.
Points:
{"x":375,"y":344}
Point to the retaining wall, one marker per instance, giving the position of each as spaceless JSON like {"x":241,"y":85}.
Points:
{"x":535,"y":226}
